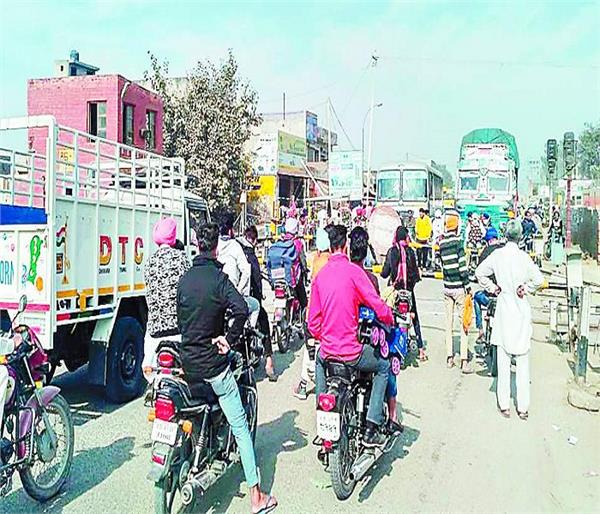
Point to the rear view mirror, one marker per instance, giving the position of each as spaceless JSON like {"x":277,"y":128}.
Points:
{"x":22,"y":303}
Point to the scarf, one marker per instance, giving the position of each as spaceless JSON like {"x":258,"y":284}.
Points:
{"x":402,"y":268}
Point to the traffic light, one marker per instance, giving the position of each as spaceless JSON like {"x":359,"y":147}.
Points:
{"x":569,"y":151}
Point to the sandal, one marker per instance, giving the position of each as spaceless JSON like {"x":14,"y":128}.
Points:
{"x":270,"y":506}
{"x":504,"y":413}
{"x":523,"y":415}
{"x":450,"y":362}
{"x":271,"y":376}
{"x":423,"y":358}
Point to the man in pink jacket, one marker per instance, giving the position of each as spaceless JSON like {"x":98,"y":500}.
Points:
{"x":337,"y":292}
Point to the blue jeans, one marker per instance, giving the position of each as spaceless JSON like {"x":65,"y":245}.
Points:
{"x":226,"y":388}
{"x":369,"y":361}
{"x":480,"y":298}
{"x":391,"y":390}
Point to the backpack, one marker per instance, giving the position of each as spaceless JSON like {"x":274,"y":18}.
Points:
{"x":280,"y":262}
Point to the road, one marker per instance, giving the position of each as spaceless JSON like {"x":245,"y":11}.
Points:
{"x":456,"y":454}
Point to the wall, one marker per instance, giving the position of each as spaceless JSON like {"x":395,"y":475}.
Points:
{"x":142,"y":100}
{"x":66,"y":98}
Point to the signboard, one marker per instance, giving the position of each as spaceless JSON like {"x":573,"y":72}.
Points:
{"x":312,"y":129}
{"x":291,"y":152}
{"x":67,"y":155}
{"x":264,"y":158}
{"x":345,"y":175}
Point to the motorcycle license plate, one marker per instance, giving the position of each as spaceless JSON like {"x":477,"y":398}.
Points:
{"x":164,"y":431}
{"x":328,"y":425}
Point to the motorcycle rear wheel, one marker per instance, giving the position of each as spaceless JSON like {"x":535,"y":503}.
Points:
{"x":32,"y":482}
{"x":281,"y":335}
{"x":340,"y":462}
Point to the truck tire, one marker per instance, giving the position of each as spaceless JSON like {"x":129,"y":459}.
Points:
{"x":124,"y":377}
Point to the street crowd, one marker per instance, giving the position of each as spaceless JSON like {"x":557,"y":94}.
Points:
{"x":189,"y":301}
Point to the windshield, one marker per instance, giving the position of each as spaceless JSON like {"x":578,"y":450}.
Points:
{"x":469,"y":182}
{"x":498,"y":183}
{"x":388,"y":189}
{"x":414,"y":185}
{"x":388,"y":185}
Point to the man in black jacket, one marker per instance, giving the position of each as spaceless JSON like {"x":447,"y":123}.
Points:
{"x":248,"y":242}
{"x":203,"y":296}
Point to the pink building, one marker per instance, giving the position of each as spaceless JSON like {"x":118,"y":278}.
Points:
{"x":109,"y":106}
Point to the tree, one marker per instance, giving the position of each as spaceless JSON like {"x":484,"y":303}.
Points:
{"x":208,"y":117}
{"x":447,"y":175}
{"x":589,"y":151}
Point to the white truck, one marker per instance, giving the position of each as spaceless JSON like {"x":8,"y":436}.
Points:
{"x":76,"y":219}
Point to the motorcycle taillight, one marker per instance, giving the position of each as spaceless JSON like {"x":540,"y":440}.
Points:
{"x":279,"y":292}
{"x":403,"y":307}
{"x":165,"y":360}
{"x":327,"y":402}
{"x":164,"y":408}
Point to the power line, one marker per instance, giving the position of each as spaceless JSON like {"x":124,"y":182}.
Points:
{"x":487,"y":62}
{"x":340,"y":124}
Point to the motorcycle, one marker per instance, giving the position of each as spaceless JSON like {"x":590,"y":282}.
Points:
{"x":288,"y":319}
{"x":472,"y":254}
{"x":37,"y":427}
{"x":192,"y":443}
{"x":342,"y":409}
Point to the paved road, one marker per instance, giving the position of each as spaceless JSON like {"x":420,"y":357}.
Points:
{"x":457,"y":454}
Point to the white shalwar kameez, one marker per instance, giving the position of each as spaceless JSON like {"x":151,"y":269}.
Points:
{"x":512,"y":326}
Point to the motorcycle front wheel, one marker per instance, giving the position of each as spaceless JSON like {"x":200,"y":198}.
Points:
{"x":53,"y":444}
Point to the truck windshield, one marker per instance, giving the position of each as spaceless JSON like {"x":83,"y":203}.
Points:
{"x":388,"y":186}
{"x":414,"y":185}
{"x":468,"y":183}
{"x":498,"y":183}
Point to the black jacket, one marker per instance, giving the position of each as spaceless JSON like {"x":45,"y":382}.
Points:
{"x":203,"y":296}
{"x":390,"y":268}
{"x":256,"y":290}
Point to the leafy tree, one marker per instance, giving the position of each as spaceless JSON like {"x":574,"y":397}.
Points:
{"x":208,"y":117}
{"x":589,"y":151}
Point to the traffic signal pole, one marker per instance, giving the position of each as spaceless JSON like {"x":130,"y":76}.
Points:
{"x":569,"y":146}
{"x":568,"y":240}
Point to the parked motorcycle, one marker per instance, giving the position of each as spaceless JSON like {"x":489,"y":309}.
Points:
{"x":342,"y":410}
{"x":192,"y":443}
{"x":288,"y":319}
{"x":37,"y":429}
{"x":490,"y":350}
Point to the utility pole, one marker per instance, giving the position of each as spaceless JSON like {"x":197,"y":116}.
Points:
{"x":569,"y":145}
{"x":374,"y":59}
{"x":551,"y":155}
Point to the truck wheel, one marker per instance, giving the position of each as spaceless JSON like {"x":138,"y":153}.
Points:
{"x":124,"y":377}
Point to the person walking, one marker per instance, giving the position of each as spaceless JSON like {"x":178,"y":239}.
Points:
{"x":516,"y":275}
{"x":456,"y":287}
{"x":319,"y":260}
{"x":557,"y":239}
{"x":400,"y":261}
{"x":248,"y":243}
{"x":423,"y":231}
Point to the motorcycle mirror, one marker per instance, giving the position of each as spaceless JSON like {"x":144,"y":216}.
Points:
{"x":22,"y":304}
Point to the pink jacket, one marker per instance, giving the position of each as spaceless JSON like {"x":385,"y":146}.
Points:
{"x":336,"y":293}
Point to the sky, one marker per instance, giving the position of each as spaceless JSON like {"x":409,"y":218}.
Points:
{"x":444,"y":68}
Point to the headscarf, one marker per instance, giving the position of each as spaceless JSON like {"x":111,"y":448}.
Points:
{"x":451,"y":221}
{"x":165,"y":232}
{"x":402,"y":266}
{"x":291,"y":226}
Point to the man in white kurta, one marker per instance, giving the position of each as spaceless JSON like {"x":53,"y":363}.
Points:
{"x":516,"y":274}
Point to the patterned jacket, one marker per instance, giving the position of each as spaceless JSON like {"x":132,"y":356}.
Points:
{"x":163,"y":271}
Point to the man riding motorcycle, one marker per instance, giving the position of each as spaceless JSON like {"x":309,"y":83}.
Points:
{"x":204,"y":295}
{"x":337,"y":292}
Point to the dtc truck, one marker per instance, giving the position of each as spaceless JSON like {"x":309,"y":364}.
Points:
{"x":76,"y":218}
{"x":487,"y":173}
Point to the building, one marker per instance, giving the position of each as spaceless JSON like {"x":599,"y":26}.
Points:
{"x":289,"y":157}
{"x":108,"y":106}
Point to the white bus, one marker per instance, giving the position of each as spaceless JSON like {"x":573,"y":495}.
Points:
{"x":409,"y":186}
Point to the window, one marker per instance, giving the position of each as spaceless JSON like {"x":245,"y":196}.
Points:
{"x":469,"y":183}
{"x":151,"y":127}
{"x":128,"y":124}
{"x":498,"y":183}
{"x":414,"y":185}
{"x":97,"y":118}
{"x":388,"y":185}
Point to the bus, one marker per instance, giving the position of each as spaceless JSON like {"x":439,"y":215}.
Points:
{"x":409,"y":186}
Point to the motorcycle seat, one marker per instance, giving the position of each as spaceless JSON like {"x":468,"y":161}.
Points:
{"x":200,"y":393}
{"x":339,"y":369}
